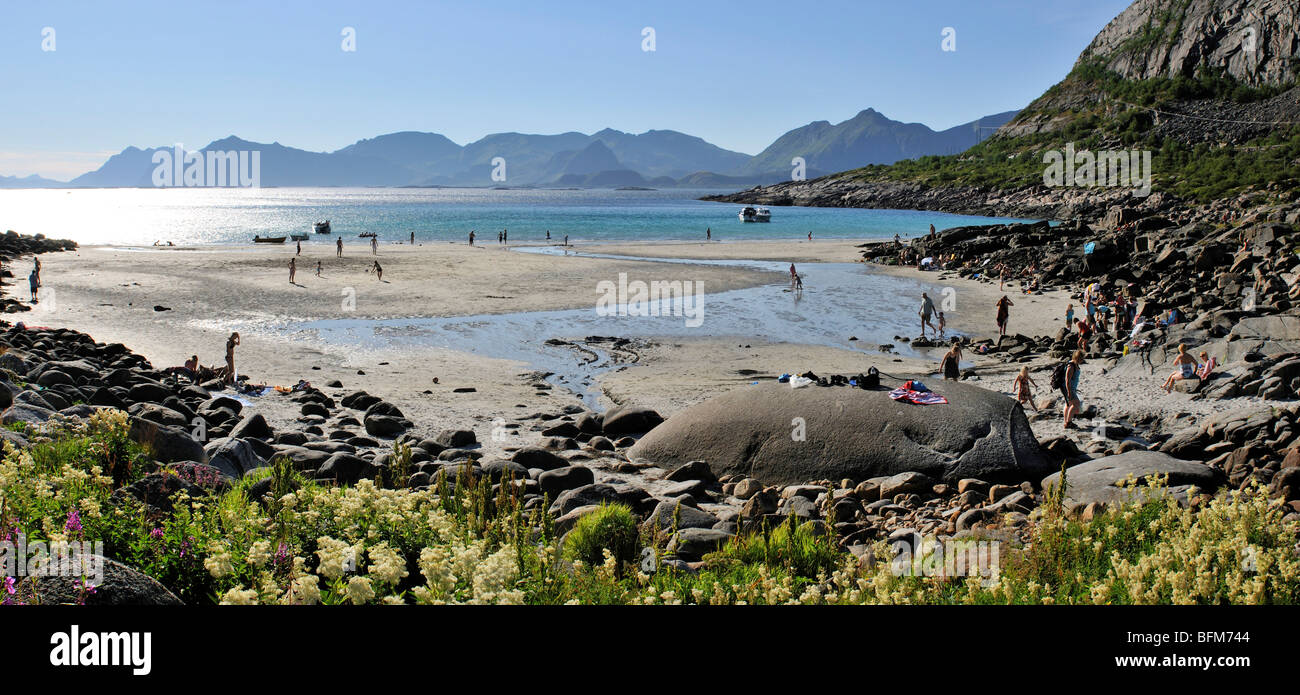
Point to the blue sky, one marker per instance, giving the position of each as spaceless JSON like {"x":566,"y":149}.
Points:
{"x":737,"y":74}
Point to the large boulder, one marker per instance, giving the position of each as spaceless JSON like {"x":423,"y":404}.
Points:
{"x":626,"y":419}
{"x":119,"y":585}
{"x":167,"y":444}
{"x":1101,"y":480}
{"x":849,"y":433}
{"x":234,"y":457}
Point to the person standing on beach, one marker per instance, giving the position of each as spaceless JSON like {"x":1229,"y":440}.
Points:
{"x":505,"y":236}
{"x":498,"y":237}
{"x":1070,"y":388}
{"x":1004,"y":312}
{"x":471,"y":237}
{"x":548,"y":235}
{"x":932,"y":231}
{"x":318,"y":267}
{"x":927,"y":310}
{"x":708,"y":234}
{"x":339,"y":247}
{"x":942,"y":323}
{"x":1020,"y":388}
{"x":36,"y":265}
{"x":412,"y":238}
{"x":35,"y":282}
{"x":299,"y":253}
{"x":793,"y":275}
{"x":810,"y":235}
{"x":374,"y":246}
{"x":231,"y":342}
{"x":293,"y":268}
{"x":1069,"y":316}
{"x":379,"y":272}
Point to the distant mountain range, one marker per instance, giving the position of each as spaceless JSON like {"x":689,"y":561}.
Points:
{"x":609,"y":158}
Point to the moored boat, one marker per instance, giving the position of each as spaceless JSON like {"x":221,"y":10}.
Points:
{"x":321,"y":227}
{"x":299,"y":237}
{"x":268,"y":239}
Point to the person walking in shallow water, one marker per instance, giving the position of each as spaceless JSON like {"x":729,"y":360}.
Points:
{"x":708,"y":234}
{"x":471,"y":238}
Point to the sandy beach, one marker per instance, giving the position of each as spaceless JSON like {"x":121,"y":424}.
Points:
{"x":112,"y":292}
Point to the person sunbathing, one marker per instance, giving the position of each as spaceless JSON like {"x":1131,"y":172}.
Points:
{"x":1185,"y":366}
{"x":1204,"y":371}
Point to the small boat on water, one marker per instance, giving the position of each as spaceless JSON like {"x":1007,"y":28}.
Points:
{"x":299,"y":237}
{"x":367,"y":235}
{"x":268,"y":240}
{"x":755,"y":214}
{"x":321,"y":227}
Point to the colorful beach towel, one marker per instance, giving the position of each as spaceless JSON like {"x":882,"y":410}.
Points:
{"x":918,"y":397}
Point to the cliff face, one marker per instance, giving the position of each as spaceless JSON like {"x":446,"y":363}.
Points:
{"x":1254,"y":41}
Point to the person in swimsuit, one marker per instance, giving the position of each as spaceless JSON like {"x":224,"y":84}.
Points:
{"x":231,"y":342}
{"x":951,"y":363}
{"x":708,"y":234}
{"x":293,"y":268}
{"x":471,"y":238}
{"x":1185,"y":368}
{"x":339,"y":247}
{"x":379,"y":272}
{"x":318,"y":267}
{"x":942,"y":323}
{"x":1020,"y":387}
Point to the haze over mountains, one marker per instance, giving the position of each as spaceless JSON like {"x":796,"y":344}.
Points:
{"x":608,"y":158}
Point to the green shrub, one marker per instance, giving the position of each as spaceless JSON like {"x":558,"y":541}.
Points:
{"x":612,"y":527}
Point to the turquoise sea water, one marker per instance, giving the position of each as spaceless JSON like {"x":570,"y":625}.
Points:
{"x":232,"y":216}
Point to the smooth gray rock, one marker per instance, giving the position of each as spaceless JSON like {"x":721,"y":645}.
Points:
{"x":693,"y":543}
{"x":850,"y":433}
{"x":687,"y":517}
{"x":233,"y":457}
{"x":119,"y":586}
{"x":1099,"y":480}
{"x":167,"y":444}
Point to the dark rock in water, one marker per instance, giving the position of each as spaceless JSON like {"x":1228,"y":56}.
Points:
{"x":384,"y":426}
{"x":850,"y":433}
{"x":693,"y":543}
{"x":630,"y":420}
{"x":254,"y":427}
{"x":120,"y":586}
{"x":692,"y":470}
{"x":687,"y":517}
{"x":456,"y":438}
{"x":233,"y":457}
{"x":536,"y":457}
{"x":167,"y":444}
{"x":1099,"y":480}
{"x":558,"y":480}
{"x":156,"y":491}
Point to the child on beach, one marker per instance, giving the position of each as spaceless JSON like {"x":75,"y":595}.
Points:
{"x":1020,"y":387}
{"x":942,"y":323}
{"x":1069,"y":315}
{"x":318,"y":267}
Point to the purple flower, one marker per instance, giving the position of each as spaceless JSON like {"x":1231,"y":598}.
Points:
{"x":10,"y":586}
{"x":156,"y":534}
{"x":74,"y":522}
